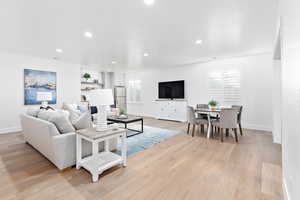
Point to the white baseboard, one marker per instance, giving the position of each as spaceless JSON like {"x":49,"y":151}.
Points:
{"x":257,"y":127}
{"x":244,"y":125}
{"x":276,"y":140}
{"x":286,"y":195}
{"x":10,"y":130}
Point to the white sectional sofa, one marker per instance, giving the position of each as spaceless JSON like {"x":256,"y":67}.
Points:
{"x":60,"y":149}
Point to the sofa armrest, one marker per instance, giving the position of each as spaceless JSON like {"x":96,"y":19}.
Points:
{"x":65,"y":149}
{"x":32,"y":124}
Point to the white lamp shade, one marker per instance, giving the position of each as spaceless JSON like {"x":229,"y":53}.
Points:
{"x":101,"y":97}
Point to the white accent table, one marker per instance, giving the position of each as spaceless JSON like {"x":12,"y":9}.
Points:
{"x":100,"y":161}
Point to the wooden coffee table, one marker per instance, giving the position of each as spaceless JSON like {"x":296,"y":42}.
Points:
{"x":128,"y":121}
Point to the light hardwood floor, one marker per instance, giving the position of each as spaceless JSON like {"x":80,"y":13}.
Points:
{"x":180,"y":168}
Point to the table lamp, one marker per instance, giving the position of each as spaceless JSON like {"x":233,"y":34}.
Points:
{"x":101,"y":98}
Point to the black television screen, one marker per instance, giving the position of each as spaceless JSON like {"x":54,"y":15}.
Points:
{"x":171,"y":90}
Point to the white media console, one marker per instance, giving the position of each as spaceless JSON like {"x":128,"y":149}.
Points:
{"x":175,"y":110}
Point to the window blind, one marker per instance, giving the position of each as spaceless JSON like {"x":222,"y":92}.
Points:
{"x":134,"y":91}
{"x":225,"y":87}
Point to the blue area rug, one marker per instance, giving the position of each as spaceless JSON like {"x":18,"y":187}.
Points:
{"x":147,"y":139}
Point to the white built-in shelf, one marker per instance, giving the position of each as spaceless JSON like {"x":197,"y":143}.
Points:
{"x":88,"y":89}
{"x":90,"y":83}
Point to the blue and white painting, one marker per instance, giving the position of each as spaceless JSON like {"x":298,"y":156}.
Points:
{"x":39,"y":86}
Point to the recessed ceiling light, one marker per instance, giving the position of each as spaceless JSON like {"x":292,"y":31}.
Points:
{"x":149,"y":2}
{"x":59,"y":50}
{"x":113,"y":62}
{"x":88,"y":34}
{"x":146,"y":54}
{"x":198,"y":42}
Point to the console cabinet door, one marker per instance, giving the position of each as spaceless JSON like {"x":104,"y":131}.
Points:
{"x":172,"y":110}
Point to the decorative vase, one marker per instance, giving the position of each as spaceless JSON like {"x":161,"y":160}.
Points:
{"x":213,"y":107}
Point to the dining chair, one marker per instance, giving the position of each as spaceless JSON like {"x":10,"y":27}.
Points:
{"x":204,"y":116}
{"x":204,"y":106}
{"x":228,"y":119}
{"x":191,"y":119}
{"x":239,"y":116}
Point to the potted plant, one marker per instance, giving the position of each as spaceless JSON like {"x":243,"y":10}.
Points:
{"x":87,"y":76}
{"x":213,"y":104}
{"x":122,"y":114}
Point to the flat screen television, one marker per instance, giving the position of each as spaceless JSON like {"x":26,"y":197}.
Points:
{"x":171,"y":90}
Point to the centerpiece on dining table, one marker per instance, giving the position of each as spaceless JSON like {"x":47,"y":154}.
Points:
{"x":213,"y":104}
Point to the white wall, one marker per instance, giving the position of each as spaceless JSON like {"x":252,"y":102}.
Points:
{"x":290,"y":25}
{"x":12,"y":86}
{"x":256,"y":86}
{"x":277,"y":103}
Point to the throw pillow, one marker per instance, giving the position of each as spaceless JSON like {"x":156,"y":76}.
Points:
{"x":62,"y":123}
{"x":74,"y":116}
{"x":83,"y":122}
{"x":83,"y":108}
{"x":69,"y":106}
{"x":74,"y":112}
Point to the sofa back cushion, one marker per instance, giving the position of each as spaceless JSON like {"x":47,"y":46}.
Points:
{"x":83,"y":121}
{"x":45,"y":114}
{"x":59,"y":118}
{"x":33,"y":112}
{"x":62,"y":122}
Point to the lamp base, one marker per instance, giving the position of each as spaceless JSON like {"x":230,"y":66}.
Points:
{"x":101,"y":123}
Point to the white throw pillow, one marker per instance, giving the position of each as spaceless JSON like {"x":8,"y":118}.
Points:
{"x":70,"y":106}
{"x":83,"y":122}
{"x":74,"y":116}
{"x":74,"y":112}
{"x":61,"y":121}
{"x":83,"y":108}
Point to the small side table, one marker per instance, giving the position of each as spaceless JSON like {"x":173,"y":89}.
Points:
{"x":100,"y":161}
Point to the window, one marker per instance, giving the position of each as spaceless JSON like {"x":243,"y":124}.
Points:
{"x":224,"y":87}
{"x":134,"y":91}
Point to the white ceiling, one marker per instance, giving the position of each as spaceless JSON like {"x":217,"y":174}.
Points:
{"x":125,"y":29}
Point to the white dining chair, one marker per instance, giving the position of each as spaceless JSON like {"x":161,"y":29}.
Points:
{"x":239,"y":116}
{"x":192,"y":120}
{"x":228,"y":120}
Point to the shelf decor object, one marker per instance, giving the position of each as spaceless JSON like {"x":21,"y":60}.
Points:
{"x":101,"y":98}
{"x":87,"y":76}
